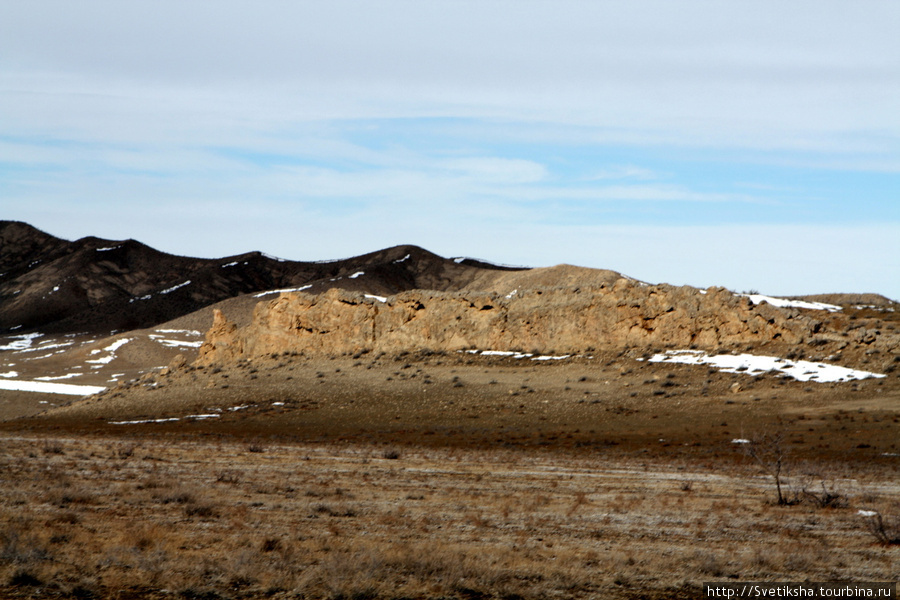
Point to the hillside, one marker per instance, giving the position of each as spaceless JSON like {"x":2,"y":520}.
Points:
{"x":98,"y":286}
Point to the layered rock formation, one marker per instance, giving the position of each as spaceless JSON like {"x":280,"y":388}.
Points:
{"x":565,"y":320}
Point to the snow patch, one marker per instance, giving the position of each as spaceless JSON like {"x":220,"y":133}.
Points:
{"x":751,"y":364}
{"x":173,"y":288}
{"x":517,"y":355}
{"x":179,"y":343}
{"x":740,"y":441}
{"x":49,"y":388}
{"x":108,"y":249}
{"x":45,"y":345}
{"x":142,"y":422}
{"x":117,"y":344}
{"x":10,"y":374}
{"x":105,"y":360}
{"x":400,"y":260}
{"x":284,"y":291}
{"x":21,"y":341}
{"x":512,"y":293}
{"x":355,"y":275}
{"x":231,"y":264}
{"x":374,"y":297}
{"x":57,"y":378}
{"x":784,"y":303}
{"x":184,"y":331}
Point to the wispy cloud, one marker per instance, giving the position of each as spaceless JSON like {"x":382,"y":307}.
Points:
{"x":377,"y":123}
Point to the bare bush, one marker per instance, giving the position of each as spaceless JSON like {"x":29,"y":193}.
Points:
{"x":770,"y":453}
{"x":886,"y":531}
{"x":829,"y":497}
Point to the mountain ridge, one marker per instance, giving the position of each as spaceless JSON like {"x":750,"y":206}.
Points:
{"x":98,"y":285}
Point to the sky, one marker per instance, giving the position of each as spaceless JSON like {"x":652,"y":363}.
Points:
{"x":754,"y":145}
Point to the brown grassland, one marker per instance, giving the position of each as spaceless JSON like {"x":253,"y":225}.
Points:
{"x":354,"y":477}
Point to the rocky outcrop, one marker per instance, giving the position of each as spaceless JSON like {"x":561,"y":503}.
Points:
{"x":221,"y":340}
{"x":627,"y":314}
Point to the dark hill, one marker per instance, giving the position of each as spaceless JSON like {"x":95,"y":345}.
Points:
{"x":97,"y":285}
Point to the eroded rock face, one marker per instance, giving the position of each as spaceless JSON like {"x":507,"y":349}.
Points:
{"x":627,"y":314}
{"x":221,"y":342}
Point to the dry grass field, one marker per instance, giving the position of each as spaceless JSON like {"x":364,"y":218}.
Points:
{"x":170,"y":516}
{"x":448,"y":475}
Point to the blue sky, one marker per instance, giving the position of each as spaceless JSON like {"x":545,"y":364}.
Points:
{"x":754,"y":145}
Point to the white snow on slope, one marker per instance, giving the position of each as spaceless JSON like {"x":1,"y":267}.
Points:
{"x":175,"y":287}
{"x":285,"y":291}
{"x":374,"y":297}
{"x":105,"y":360}
{"x":784,"y":303}
{"x":144,"y":421}
{"x":165,"y":420}
{"x":751,"y":364}
{"x":516,"y":354}
{"x":355,"y":275}
{"x":9,"y":374}
{"x":49,"y":388}
{"x":176,"y":343}
{"x":400,"y":260}
{"x":67,"y":376}
{"x":184,"y":331}
{"x":21,"y":341}
{"x":46,"y":345}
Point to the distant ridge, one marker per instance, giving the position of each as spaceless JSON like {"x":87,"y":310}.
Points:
{"x":99,"y":285}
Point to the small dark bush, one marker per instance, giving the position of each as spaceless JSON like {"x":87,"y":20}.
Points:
{"x":202,"y":511}
{"x":23,"y":578}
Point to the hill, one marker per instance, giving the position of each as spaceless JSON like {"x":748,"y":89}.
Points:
{"x":95,"y":285}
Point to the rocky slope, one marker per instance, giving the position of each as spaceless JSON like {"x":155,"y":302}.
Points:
{"x":97,"y":285}
{"x":549,"y":320}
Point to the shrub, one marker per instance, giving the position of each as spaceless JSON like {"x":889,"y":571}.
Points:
{"x":886,"y":533}
{"x":829,"y":497}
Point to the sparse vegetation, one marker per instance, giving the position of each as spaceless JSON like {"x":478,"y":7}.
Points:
{"x":214,"y":520}
{"x":885,"y":531}
{"x":770,"y":453}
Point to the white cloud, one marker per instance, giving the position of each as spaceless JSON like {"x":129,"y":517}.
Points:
{"x":200,"y":111}
{"x":805,"y":75}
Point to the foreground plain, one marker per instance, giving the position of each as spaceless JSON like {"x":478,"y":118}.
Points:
{"x":173,"y":516}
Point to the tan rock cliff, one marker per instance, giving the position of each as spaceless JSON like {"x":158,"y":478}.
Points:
{"x":627,"y":314}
